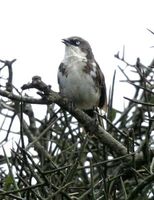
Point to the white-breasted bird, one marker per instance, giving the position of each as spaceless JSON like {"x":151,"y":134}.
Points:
{"x":80,"y":77}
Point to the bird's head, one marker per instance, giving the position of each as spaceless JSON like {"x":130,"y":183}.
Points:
{"x":76,"y":46}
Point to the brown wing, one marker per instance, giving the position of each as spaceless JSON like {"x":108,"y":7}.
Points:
{"x":61,"y":73}
{"x":102,"y":85}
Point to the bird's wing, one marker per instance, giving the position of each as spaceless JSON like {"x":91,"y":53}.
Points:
{"x":61,"y":72}
{"x":101,"y":83}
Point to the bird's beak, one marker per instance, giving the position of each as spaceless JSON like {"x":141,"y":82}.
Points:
{"x":66,"y":42}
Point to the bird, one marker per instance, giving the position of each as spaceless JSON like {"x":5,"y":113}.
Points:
{"x":80,"y":78}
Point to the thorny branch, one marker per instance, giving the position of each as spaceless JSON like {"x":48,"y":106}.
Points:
{"x":56,"y":159}
{"x":91,"y":126}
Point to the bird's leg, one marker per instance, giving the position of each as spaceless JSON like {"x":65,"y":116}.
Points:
{"x":99,"y":117}
{"x":71,"y":106}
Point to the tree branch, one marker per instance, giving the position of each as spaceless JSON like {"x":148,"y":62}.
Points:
{"x":49,"y":97}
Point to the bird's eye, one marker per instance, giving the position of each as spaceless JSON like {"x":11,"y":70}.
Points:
{"x":74,"y":42}
{"x":77,"y":42}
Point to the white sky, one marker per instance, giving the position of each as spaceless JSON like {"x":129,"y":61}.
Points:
{"x":31,"y":31}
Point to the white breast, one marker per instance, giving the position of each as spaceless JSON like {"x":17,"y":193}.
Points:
{"x":78,"y":85}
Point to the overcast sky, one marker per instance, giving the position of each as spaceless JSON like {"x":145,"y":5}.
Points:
{"x":31,"y":32}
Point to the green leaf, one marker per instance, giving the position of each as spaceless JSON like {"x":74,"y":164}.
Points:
{"x":8,"y":182}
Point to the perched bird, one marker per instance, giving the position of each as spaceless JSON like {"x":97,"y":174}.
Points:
{"x":80,"y":77}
